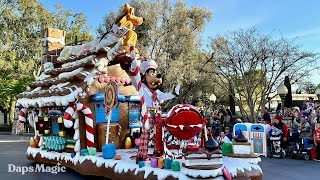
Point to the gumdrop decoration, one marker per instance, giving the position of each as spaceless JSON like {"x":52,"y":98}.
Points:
{"x":211,"y":144}
{"x":240,"y":137}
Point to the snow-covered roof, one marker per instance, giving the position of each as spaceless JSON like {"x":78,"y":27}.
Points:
{"x":73,"y":71}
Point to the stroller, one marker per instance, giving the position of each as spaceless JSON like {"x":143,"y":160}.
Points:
{"x":276,"y":149}
{"x":299,"y":151}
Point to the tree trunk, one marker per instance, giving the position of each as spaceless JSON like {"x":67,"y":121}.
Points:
{"x":5,"y":114}
{"x":12,"y":110}
{"x":231,"y":100}
{"x":252,"y":115}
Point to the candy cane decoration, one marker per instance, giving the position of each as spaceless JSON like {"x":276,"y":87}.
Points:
{"x":67,"y":120}
{"x":22,"y":115}
{"x":137,"y":78}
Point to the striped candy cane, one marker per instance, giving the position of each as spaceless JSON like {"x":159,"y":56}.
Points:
{"x":137,"y":78}
{"x":22,"y":115}
{"x":67,"y":120}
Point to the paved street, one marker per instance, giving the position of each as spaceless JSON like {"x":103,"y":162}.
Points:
{"x":12,"y":151}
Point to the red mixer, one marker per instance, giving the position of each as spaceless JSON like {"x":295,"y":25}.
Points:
{"x":185,"y":122}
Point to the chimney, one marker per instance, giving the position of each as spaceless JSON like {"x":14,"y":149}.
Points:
{"x":52,"y":42}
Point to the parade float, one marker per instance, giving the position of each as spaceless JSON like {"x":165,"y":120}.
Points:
{"x":90,"y":109}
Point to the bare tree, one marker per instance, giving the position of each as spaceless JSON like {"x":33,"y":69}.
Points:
{"x":308,"y":87}
{"x":254,"y":65}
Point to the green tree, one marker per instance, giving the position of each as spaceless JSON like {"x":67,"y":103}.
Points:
{"x":21,"y":23}
{"x":171,"y":35}
{"x":73,"y":23}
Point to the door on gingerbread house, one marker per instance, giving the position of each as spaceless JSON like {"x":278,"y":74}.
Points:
{"x":57,"y":127}
{"x":99,"y":106}
{"x":101,"y":121}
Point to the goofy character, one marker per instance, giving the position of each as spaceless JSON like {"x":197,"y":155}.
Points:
{"x":152,"y":98}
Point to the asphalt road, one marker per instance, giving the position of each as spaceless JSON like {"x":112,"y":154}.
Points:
{"x":13,"y":148}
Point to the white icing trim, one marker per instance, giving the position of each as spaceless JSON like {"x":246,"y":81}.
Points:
{"x":69,"y":74}
{"x":49,"y":101}
{"x":203,"y":162}
{"x":126,"y":164}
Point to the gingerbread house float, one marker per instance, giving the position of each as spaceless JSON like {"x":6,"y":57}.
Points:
{"x":66,"y":104}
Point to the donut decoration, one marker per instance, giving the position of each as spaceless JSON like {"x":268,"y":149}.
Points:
{"x":184,"y":121}
{"x":111,"y":95}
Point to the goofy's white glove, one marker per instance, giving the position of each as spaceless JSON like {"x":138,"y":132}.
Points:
{"x":176,"y":90}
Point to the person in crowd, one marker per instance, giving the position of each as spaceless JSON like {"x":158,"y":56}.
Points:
{"x":280,"y":125}
{"x":309,"y":104}
{"x":295,"y":120}
{"x":222,"y":138}
{"x":215,"y":127}
{"x":210,"y":121}
{"x":305,"y":132}
{"x":314,"y":121}
{"x":228,"y":133}
{"x":316,"y":139}
{"x":217,"y":115}
{"x":316,"y":105}
{"x":265,"y":114}
{"x":229,"y":116}
{"x":295,"y":115}
{"x":223,"y":115}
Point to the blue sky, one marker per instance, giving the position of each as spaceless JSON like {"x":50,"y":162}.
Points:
{"x":295,"y":19}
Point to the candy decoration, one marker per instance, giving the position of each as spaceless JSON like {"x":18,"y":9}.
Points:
{"x":108,"y":151}
{"x":167,"y":163}
{"x":227,"y":148}
{"x":154,"y":162}
{"x":127,"y":81}
{"x":160,"y":162}
{"x":22,"y":115}
{"x":101,"y":79}
{"x":92,"y":151}
{"x":84,"y":152}
{"x":128,"y":143}
{"x":226,"y":174}
{"x":113,"y":79}
{"x":67,"y":120}
{"x":32,"y":142}
{"x":137,"y":77}
{"x":141,"y":164}
{"x":111,"y":95}
{"x":211,"y":144}
{"x":118,"y":157}
{"x":175,"y":166}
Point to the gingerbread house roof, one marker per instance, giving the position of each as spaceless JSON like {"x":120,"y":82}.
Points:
{"x":75,"y":68}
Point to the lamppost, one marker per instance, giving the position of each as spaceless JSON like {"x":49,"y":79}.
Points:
{"x":318,"y":93}
{"x":282,"y":92}
{"x":269,"y":106}
{"x":212,"y":99}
